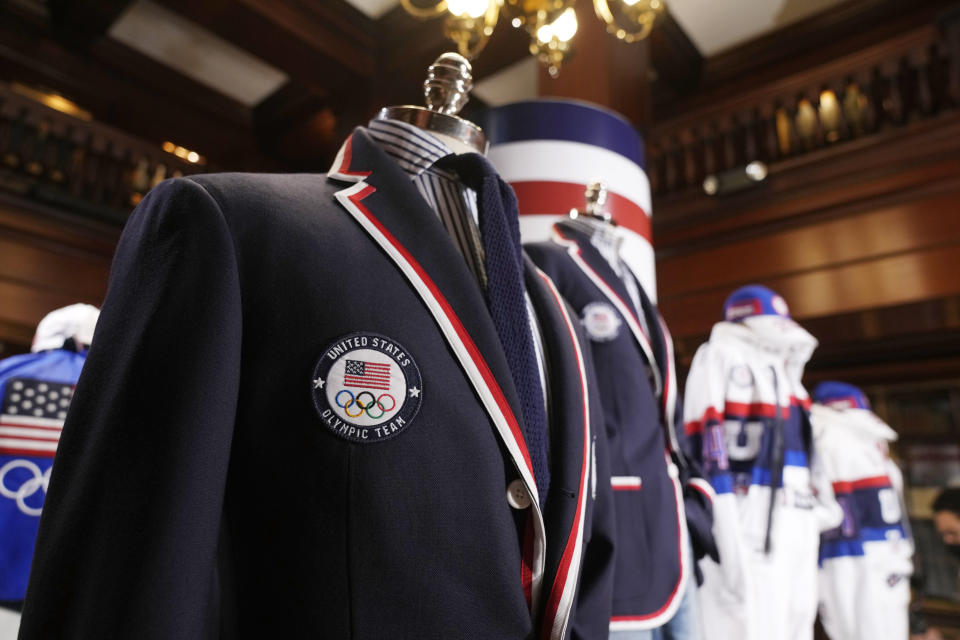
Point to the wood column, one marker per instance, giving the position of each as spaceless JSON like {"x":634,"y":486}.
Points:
{"x":603,"y":70}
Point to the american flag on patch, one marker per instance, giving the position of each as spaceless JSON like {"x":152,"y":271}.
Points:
{"x":32,"y":415}
{"x":371,"y":375}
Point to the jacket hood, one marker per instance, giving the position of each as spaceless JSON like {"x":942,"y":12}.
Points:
{"x":860,"y":421}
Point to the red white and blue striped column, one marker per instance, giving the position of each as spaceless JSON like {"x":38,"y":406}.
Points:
{"x":549,"y":150}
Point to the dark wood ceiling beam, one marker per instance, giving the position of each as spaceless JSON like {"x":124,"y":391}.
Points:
{"x":674,"y":56}
{"x":84,"y":20}
{"x":129,"y":91}
{"x":325,"y":46}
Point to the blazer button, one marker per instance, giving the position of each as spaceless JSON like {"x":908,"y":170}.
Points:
{"x":672,"y":470}
{"x":517,"y":495}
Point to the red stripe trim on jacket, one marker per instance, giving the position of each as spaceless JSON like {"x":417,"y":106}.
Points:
{"x":712,"y":414}
{"x":876,"y":482}
{"x":573,"y":539}
{"x":344,"y":167}
{"x":448,"y":311}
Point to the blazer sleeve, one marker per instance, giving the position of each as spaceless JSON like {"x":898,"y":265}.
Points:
{"x":698,"y":498}
{"x":127,"y":544}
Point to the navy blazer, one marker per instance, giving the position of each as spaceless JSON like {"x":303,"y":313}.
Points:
{"x":222,"y":475}
{"x":637,"y":385}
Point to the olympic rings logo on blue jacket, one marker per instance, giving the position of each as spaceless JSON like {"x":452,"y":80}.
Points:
{"x":375,"y":401}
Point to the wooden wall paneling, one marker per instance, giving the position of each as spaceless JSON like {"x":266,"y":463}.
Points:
{"x":26,"y":305}
{"x":47,"y":260}
{"x":907,"y":343}
{"x":52,"y":270}
{"x":921,"y":224}
{"x":42,"y":223}
{"x":888,"y":280}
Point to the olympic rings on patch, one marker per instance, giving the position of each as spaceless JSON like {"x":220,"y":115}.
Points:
{"x":365,"y":407}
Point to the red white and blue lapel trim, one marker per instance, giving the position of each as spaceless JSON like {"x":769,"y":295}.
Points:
{"x":667,"y":388}
{"x":561,"y":596}
{"x":669,"y":395}
{"x":573,"y":249}
{"x":561,"y":593}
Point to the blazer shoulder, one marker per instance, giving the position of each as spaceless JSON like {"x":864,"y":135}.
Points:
{"x":250,"y":204}
{"x":548,"y":256}
{"x":233,"y":191}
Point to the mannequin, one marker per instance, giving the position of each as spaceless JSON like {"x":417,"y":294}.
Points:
{"x":634,"y":362}
{"x":298,"y":420}
{"x":747,"y":422}
{"x":446,"y":91}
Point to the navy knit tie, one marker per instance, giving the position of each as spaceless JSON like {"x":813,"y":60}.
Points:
{"x":503,"y":261}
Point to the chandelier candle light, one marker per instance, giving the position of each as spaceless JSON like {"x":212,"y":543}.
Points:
{"x":551,"y":24}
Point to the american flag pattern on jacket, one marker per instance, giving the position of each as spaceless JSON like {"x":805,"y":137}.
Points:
{"x":32,"y":416}
{"x":370,"y":375}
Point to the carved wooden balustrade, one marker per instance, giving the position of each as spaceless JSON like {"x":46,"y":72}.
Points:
{"x":76,"y":164}
{"x":892,"y":84}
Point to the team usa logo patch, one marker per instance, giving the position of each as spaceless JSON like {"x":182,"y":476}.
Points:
{"x":366,"y":388}
{"x":780,"y":306}
{"x":601,"y":321}
{"x":741,"y":376}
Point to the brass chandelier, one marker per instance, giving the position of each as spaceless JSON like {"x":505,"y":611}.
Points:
{"x":551,"y":24}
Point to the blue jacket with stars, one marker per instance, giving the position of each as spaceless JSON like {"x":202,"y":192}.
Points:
{"x":649,"y":474}
{"x":35,"y":392}
{"x":297,"y":421}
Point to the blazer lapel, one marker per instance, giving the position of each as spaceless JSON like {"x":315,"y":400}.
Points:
{"x":596,"y":267}
{"x":389,"y":208}
{"x":662,"y":343}
{"x":570,"y":447}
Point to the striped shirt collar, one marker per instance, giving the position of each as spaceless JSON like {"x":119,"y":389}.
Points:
{"x":416,"y":151}
{"x":412,"y":148}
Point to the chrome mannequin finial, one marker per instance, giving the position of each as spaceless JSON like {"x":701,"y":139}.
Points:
{"x":446,"y":90}
{"x":596,"y":199}
{"x":448,"y":84}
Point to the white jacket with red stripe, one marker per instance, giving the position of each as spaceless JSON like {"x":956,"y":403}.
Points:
{"x":746,"y":422}
{"x":865,"y":561}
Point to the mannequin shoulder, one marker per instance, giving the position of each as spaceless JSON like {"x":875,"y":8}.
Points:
{"x":548,"y":256}
{"x":243,"y":201}
{"x":250,"y":191}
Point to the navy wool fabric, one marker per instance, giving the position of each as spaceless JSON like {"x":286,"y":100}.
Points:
{"x":198,"y":494}
{"x":648,"y":555}
{"x":503,"y":262}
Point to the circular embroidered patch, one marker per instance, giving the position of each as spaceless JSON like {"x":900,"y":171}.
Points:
{"x":780,"y":306}
{"x":601,"y":321}
{"x":366,"y":388}
{"x":741,"y":376}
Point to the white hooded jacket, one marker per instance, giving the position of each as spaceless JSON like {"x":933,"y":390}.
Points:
{"x":746,"y":421}
{"x":865,"y":560}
